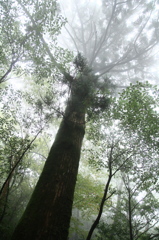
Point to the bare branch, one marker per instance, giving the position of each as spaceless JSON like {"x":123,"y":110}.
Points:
{"x":143,"y":27}
{"x":103,"y":38}
{"x":82,"y":29}
{"x":71,"y":36}
{"x":124,"y":60}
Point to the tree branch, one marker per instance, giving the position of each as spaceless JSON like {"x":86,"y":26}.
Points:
{"x":19,"y":160}
{"x":103,"y":38}
{"x":14,"y":61}
{"x":59,"y":66}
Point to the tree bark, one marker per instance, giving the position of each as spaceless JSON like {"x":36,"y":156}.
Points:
{"x":48,"y":213}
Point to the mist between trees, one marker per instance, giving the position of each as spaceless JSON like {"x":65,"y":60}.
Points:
{"x":79,"y":135}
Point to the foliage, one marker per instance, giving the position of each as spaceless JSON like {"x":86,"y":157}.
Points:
{"x":136,"y":206}
{"x":22,"y":51}
{"x":135,"y":156}
{"x":19,"y":131}
{"x":137,"y":109}
{"x":88,"y":194}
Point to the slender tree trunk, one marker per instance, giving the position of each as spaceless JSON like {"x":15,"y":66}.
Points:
{"x":117,"y":209}
{"x":130,"y":215}
{"x":3,"y":200}
{"x":48,"y":213}
{"x":104,"y":198}
{"x":96,"y":222}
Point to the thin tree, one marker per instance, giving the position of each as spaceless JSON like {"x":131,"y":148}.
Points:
{"x":113,"y":157}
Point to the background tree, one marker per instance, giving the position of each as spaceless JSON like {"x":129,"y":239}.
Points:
{"x":136,"y":213}
{"x":19,"y":134}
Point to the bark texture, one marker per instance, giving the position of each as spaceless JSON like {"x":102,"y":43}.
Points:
{"x":48,"y":213}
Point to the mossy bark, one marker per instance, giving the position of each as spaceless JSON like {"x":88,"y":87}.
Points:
{"x":48,"y":213}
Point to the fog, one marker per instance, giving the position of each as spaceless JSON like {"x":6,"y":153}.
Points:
{"x":117,"y":38}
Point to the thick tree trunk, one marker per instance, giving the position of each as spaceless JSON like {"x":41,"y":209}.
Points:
{"x":48,"y":213}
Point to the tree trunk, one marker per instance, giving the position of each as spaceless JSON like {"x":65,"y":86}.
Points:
{"x":130,"y":215}
{"x":48,"y":213}
{"x":3,"y":199}
{"x":104,"y":198}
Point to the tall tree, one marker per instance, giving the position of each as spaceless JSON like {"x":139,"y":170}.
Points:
{"x":49,"y":217}
{"x":118,"y":39}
